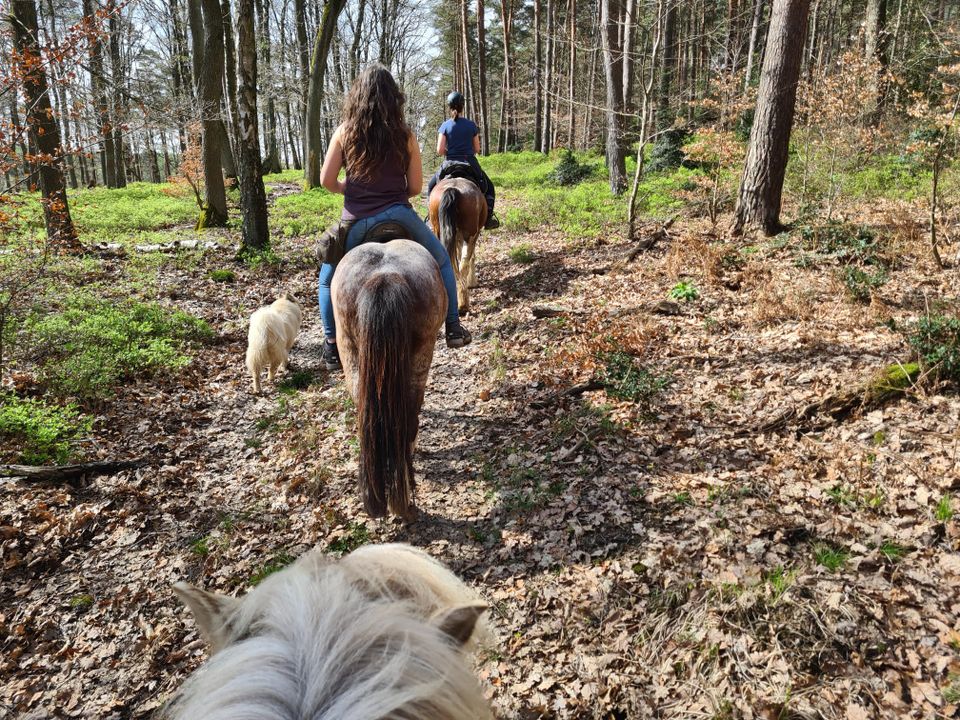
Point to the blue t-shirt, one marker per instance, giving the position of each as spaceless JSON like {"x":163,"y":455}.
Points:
{"x":460,"y":134}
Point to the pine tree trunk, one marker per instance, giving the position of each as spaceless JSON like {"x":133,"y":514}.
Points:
{"x":482,"y":80}
{"x":761,"y":187}
{"x":465,"y":41}
{"x":613,"y":70}
{"x":42,"y":127}
{"x":313,"y":151}
{"x":253,"y":199}
{"x":548,"y":80}
{"x":876,"y":45}
{"x":271,"y":163}
{"x":537,"y":84}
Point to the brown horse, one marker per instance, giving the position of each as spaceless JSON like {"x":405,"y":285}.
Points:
{"x":458,"y":212}
{"x":388,"y":302}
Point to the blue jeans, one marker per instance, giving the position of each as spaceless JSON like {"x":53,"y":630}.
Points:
{"x":419,"y":233}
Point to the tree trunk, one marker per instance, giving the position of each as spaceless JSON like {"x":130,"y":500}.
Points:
{"x":210,"y":92}
{"x":117,"y":73}
{"x":482,"y":80}
{"x":761,"y":187}
{"x":537,"y":84}
{"x":572,"y":120}
{"x":313,"y":145}
{"x":253,"y":199}
{"x":42,"y":127}
{"x":97,"y":82}
{"x":629,"y":21}
{"x":465,"y":40}
{"x":545,"y":142}
{"x":876,"y":43}
{"x":271,"y":163}
{"x":666,"y":151}
{"x":752,"y":49}
{"x":506,"y":15}
{"x":613,"y":70}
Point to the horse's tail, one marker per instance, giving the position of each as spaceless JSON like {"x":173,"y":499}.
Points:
{"x":385,"y":395}
{"x":448,"y":220}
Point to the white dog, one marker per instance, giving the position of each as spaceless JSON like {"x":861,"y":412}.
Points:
{"x":272,"y":332}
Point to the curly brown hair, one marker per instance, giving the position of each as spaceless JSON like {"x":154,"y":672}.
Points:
{"x":373,"y":124}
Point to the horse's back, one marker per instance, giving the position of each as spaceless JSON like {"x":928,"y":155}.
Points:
{"x":400,"y":260}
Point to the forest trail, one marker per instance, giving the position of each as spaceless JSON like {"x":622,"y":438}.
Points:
{"x":656,"y":555}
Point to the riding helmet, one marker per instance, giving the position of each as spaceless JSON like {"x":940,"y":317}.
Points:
{"x":455,"y":100}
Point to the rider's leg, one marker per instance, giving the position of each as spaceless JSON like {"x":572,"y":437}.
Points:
{"x":433,"y":182}
{"x":326,"y":304}
{"x":488,"y":192}
{"x":421,"y":234}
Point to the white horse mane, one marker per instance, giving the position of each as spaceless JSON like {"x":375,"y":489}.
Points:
{"x":347,"y":640}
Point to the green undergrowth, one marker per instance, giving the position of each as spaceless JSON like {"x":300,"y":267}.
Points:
{"x":88,"y":345}
{"x":304,"y":213}
{"x":35,"y":432}
{"x":935,"y":339}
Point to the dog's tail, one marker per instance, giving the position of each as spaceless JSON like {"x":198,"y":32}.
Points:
{"x":385,"y":395}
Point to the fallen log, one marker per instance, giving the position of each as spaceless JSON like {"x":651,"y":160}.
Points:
{"x":67,"y":473}
{"x":888,"y":384}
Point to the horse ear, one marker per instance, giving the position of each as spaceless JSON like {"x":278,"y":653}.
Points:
{"x":211,"y":612}
{"x":459,"y":622}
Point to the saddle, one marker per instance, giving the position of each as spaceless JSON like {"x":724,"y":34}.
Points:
{"x":460,"y":169}
{"x":332,"y":245}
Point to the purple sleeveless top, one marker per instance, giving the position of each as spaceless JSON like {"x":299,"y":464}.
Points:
{"x":387,"y":188}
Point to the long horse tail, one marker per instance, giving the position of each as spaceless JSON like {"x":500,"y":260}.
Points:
{"x":386,"y":406}
{"x":447,"y":213}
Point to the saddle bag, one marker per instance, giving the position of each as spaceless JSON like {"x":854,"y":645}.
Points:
{"x":332,"y":244}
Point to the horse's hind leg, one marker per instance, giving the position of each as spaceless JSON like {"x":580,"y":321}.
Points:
{"x":469,"y":261}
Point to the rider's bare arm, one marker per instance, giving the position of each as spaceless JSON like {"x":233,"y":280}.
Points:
{"x":476,"y":144}
{"x":414,"y":168}
{"x":441,"y":145}
{"x":332,"y":164}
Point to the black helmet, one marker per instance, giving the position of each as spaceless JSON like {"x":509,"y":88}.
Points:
{"x":455,"y":100}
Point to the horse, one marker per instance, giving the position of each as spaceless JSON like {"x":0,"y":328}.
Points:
{"x":381,"y":633}
{"x":458,"y":212}
{"x":389,"y":303}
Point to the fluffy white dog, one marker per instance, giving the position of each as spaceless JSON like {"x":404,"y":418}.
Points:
{"x":272,"y":332}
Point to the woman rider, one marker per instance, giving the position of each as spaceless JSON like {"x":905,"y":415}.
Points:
{"x":383,"y":171}
{"x":459,"y":139}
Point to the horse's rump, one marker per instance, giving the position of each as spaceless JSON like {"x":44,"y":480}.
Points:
{"x":389,"y":303}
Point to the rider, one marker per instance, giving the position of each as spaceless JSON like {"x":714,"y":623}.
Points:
{"x":459,"y":139}
{"x":383,"y":170}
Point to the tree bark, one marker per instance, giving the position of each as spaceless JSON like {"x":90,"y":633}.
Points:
{"x":313,"y":137}
{"x":547,"y":129}
{"x":506,"y":16}
{"x":42,"y":127}
{"x":253,"y":199}
{"x":271,"y":163}
{"x":613,"y":70}
{"x":761,"y":187}
{"x":210,"y":92}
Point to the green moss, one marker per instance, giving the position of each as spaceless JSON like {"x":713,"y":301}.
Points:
{"x":890,"y":382}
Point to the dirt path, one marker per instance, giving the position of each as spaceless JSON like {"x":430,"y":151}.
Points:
{"x":646,"y":558}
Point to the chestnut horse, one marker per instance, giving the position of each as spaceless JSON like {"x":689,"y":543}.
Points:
{"x":388,"y":302}
{"x":458,"y":212}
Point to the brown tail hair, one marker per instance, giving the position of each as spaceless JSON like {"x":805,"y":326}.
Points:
{"x":386,"y":408}
{"x":447,"y":213}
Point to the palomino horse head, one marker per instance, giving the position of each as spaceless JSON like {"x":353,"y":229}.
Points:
{"x":389,"y":302}
{"x":378,"y":634}
{"x":458,"y":212}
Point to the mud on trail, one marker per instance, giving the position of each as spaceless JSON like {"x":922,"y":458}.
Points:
{"x":647,"y":552}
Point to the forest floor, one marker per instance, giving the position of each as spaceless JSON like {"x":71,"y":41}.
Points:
{"x":677,"y":554}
